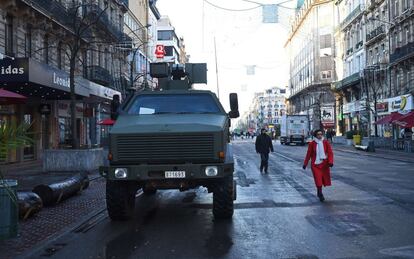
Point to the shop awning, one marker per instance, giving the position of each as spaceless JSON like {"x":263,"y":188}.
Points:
{"x":389,"y":118}
{"x":106,"y":122}
{"x":406,"y":121}
{"x":7,"y":97}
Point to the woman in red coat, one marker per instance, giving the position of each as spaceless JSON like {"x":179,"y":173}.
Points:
{"x":321,"y":155}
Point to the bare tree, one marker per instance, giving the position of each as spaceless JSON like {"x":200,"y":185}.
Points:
{"x":84,"y":18}
{"x":373,"y":87}
{"x":79,"y":20}
{"x":131,"y":64}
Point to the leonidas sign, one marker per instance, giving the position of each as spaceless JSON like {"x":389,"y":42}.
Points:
{"x":401,"y":103}
{"x":25,"y":70}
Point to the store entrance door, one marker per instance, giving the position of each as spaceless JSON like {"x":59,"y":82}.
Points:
{"x":29,"y":150}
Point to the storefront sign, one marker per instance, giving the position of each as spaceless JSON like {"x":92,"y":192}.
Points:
{"x":401,"y":103}
{"x":349,"y":107}
{"x":43,"y":74}
{"x":13,"y":70}
{"x":356,"y":106}
{"x":61,"y":81}
{"x":382,"y":107}
{"x":327,"y":116}
{"x":160,"y":51}
{"x":26,"y":70}
{"x":97,"y":90}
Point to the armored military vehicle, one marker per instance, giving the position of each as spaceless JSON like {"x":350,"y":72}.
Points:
{"x":173,"y":138}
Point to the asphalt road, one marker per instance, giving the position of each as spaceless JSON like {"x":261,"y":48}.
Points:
{"x":368,"y":213}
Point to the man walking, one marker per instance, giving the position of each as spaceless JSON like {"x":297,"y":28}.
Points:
{"x":263,"y":147}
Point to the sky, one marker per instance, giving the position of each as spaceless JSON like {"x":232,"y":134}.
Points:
{"x":241,"y":40}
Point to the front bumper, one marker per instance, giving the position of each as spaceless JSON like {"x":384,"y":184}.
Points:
{"x":297,"y":139}
{"x":157,"y":172}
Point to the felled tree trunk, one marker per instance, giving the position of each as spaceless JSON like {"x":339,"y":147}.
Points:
{"x":29,"y":204}
{"x":54,"y":193}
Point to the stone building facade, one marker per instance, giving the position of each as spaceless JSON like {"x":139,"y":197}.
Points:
{"x":310,"y":46}
{"x":402,"y":46}
{"x":380,"y":82}
{"x":37,"y":37}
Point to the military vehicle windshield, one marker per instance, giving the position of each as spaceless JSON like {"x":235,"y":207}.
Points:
{"x":173,"y":103}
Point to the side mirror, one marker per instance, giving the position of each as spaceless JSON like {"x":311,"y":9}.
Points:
{"x":115,"y":104}
{"x":234,"y":106}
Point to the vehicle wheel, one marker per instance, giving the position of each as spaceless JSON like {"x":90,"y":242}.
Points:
{"x":223,"y":199}
{"x":149,"y":191}
{"x":120,"y":199}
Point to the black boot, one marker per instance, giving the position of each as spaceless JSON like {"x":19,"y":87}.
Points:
{"x":320,"y":194}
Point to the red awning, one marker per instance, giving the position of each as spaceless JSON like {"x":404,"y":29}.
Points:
{"x":406,"y":121}
{"x":7,"y":97}
{"x":106,"y":122}
{"x":390,"y":118}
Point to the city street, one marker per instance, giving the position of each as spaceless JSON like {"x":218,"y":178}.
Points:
{"x":368,"y":213}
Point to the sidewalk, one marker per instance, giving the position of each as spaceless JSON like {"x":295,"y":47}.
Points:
{"x":54,"y":221}
{"x":50,"y":221}
{"x":379,"y":152}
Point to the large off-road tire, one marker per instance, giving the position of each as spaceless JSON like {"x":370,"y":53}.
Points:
{"x":120,"y":199}
{"x":149,"y":190}
{"x":223,"y":196}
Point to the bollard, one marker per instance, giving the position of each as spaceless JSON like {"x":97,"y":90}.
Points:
{"x":371,"y":146}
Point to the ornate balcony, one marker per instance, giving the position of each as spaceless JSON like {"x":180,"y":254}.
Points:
{"x":353,"y":15}
{"x":65,"y":16}
{"x":347,"y":81}
{"x":99,"y":75}
{"x":104,"y":21}
{"x":403,"y":52}
{"x":375,"y":34}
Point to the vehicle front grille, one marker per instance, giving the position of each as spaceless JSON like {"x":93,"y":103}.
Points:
{"x":164,"y":148}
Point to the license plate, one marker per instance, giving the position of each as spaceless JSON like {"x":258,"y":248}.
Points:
{"x":174,"y":174}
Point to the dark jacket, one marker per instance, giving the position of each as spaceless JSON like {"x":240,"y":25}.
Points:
{"x":264,"y":144}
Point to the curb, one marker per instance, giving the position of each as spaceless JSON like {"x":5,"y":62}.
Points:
{"x":47,"y":242}
{"x":364,"y":153}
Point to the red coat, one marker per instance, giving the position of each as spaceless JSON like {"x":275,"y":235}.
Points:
{"x":321,"y":172}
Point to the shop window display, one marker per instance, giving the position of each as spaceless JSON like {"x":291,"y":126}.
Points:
{"x":64,"y":131}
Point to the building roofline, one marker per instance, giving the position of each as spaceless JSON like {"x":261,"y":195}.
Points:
{"x":301,"y":16}
{"x":154,"y":9}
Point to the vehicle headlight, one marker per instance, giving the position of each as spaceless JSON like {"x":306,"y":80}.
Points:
{"x":121,"y":173}
{"x":211,"y":171}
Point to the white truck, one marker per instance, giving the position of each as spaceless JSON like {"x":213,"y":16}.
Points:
{"x":294,"y":129}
